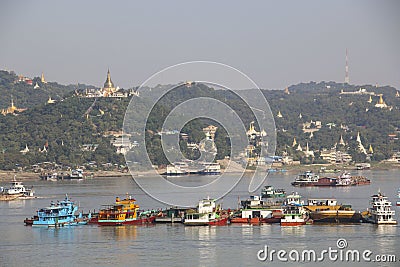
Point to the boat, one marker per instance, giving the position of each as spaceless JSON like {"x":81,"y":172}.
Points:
{"x":270,"y":192}
{"x":171,"y":215}
{"x":256,"y":209}
{"x":329,"y":211}
{"x":294,"y":215}
{"x":398,"y":197}
{"x":345,"y":179}
{"x":17,"y":190}
{"x":257,"y":216}
{"x":380,"y":211}
{"x":189,"y":167}
{"x":51,"y":176}
{"x":307,"y":178}
{"x":177,"y":169}
{"x":207,"y":213}
{"x":62,"y":213}
{"x":76,"y":174}
{"x":122,"y":212}
{"x":210,"y":168}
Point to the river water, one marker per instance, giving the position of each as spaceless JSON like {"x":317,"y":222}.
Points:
{"x":177,"y":245}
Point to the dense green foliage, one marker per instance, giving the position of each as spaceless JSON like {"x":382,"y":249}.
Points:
{"x":65,"y":126}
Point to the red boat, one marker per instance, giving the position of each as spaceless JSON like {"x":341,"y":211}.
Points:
{"x":219,"y":222}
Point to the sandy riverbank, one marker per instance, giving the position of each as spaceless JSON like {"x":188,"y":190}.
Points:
{"x":6,"y":176}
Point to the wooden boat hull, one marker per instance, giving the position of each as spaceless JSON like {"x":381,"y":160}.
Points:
{"x":149,"y":220}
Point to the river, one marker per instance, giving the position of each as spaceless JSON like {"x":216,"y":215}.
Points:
{"x":177,"y":245}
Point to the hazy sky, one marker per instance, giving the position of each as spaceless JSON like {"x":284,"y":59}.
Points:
{"x":276,"y":43}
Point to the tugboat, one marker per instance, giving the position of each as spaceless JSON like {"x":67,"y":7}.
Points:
{"x":380,"y":211}
{"x":123,"y":212}
{"x":17,"y":190}
{"x":57,"y":215}
{"x":207,"y":214}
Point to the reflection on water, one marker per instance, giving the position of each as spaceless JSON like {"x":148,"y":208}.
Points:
{"x":119,"y":233}
{"x":290,"y":231}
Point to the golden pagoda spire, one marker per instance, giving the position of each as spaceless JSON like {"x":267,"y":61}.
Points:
{"x":294,"y":142}
{"x":370,"y":150}
{"x":380,"y":99}
{"x":370,"y":99}
{"x":42,"y":78}
{"x":279,"y":114}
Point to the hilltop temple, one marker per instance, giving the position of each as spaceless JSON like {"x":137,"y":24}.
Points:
{"x":109,"y":88}
{"x":381,"y":103}
{"x":12,"y":109}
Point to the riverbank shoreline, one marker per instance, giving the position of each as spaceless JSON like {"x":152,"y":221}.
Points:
{"x":292,"y":170}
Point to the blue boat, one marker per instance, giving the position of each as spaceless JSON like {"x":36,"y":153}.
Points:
{"x":58,"y":214}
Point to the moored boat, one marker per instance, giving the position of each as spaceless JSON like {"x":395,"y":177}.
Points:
{"x":380,"y":211}
{"x":57,"y":214}
{"x":294,"y":215}
{"x":122,"y":212}
{"x":398,"y":198}
{"x":329,"y":211}
{"x":207,"y":213}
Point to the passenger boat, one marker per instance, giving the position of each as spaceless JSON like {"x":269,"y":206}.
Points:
{"x":123,"y":212}
{"x":57,"y":214}
{"x":17,"y":190}
{"x":380,"y":211}
{"x":207,"y":213}
{"x":329,"y":211}
{"x":307,"y":178}
{"x":210,"y":168}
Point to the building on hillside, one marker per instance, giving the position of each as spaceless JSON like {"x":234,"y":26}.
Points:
{"x":210,"y":131}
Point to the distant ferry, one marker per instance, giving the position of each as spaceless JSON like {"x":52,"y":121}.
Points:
{"x":307,"y":178}
{"x":186,"y":168}
{"x":310,"y":179}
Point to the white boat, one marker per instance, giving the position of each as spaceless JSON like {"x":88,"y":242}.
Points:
{"x":17,"y":190}
{"x":294,"y":215}
{"x":381,"y":210}
{"x":76,"y":174}
{"x":398,"y":198}
{"x":207,"y":214}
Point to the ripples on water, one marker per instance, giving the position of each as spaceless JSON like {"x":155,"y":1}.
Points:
{"x":177,"y":245}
